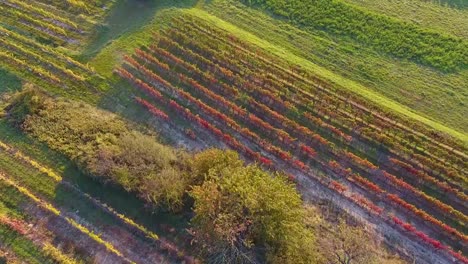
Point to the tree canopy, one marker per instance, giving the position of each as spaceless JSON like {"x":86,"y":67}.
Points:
{"x":238,"y":207}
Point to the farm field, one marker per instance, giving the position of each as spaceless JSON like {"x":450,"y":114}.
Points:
{"x":233,"y":131}
{"x":40,"y":37}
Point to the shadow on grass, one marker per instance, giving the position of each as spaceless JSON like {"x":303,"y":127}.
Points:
{"x":120,"y":200}
{"x":9,"y":82}
{"x":127,"y":16}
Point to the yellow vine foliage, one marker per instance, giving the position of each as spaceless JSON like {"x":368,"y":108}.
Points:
{"x":49,"y":172}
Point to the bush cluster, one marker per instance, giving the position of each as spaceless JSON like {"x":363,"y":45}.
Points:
{"x":104,"y":146}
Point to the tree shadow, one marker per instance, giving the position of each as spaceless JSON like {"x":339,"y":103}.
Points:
{"x":114,"y":196}
{"x":9,"y":82}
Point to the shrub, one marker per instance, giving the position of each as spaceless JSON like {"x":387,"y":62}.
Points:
{"x":103,"y":145}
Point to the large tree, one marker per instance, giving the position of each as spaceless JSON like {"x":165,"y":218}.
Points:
{"x":238,"y":207}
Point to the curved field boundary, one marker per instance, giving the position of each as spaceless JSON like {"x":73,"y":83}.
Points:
{"x":229,"y":123}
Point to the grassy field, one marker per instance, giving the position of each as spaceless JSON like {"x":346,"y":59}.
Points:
{"x":461,"y":4}
{"x":137,"y":15}
{"x":423,"y":13}
{"x":109,"y":46}
{"x":8,"y":81}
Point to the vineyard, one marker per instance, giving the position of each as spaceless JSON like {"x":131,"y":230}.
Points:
{"x":31,"y":33}
{"x":289,"y":120}
{"x":233,"y":131}
{"x":38,"y":40}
